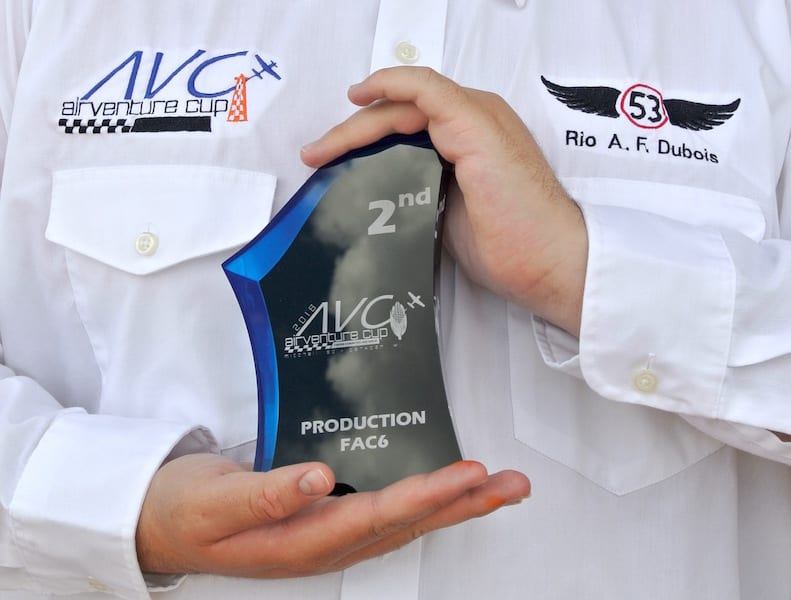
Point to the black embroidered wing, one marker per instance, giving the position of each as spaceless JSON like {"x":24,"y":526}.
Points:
{"x":600,"y":101}
{"x":697,"y":116}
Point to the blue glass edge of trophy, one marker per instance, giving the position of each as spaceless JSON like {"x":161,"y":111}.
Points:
{"x":248,"y":266}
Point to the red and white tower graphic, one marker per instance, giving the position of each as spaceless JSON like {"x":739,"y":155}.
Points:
{"x":237,"y":113}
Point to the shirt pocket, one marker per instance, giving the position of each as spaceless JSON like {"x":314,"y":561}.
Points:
{"x":619,"y":446}
{"x":144,"y":247}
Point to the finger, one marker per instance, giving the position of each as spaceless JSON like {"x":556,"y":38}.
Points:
{"x":506,"y":488}
{"x":412,"y":499}
{"x":462,"y":121}
{"x":243,"y":500}
{"x":388,"y":109}
{"x":329,"y":531}
{"x":364,"y":127}
{"x":435,"y":95}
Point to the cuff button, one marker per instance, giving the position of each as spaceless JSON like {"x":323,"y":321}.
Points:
{"x":645,"y":381}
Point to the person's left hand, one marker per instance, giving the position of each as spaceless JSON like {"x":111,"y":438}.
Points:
{"x":513,"y":228}
{"x":207,"y":514}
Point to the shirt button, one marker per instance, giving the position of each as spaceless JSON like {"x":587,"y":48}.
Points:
{"x":146,"y":244}
{"x":645,"y":381}
{"x":407,"y":53}
{"x":98,"y":585}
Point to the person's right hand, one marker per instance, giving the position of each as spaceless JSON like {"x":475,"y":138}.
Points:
{"x":510,"y":224}
{"x":207,"y":514}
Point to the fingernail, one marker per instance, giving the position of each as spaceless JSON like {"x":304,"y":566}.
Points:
{"x":314,"y":483}
{"x":307,"y":147}
{"x":353,"y":87}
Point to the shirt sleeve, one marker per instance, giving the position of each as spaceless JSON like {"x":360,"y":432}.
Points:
{"x":690,"y":319}
{"x":72,"y":488}
{"x":15,"y":17}
{"x":72,"y":483}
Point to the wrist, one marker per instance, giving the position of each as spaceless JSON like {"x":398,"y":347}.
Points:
{"x":556,"y":267}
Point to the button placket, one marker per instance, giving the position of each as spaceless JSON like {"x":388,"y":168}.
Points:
{"x":409,"y":32}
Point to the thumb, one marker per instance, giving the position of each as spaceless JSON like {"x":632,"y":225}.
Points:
{"x":243,"y":500}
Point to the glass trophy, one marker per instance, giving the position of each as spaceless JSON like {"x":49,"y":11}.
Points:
{"x":338,"y":295}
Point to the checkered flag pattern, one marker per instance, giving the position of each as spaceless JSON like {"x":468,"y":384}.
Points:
{"x":237,"y":113}
{"x":95,"y":125}
{"x":311,"y":348}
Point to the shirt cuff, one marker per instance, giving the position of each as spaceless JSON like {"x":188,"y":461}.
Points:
{"x":657,"y":311}
{"x":559,"y":349}
{"x":755,"y":440}
{"x":74,"y":514}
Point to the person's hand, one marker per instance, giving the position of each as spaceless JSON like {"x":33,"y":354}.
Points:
{"x":206,"y":514}
{"x":514,"y":229}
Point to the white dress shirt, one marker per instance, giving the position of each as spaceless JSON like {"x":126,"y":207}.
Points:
{"x":648,"y":440}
